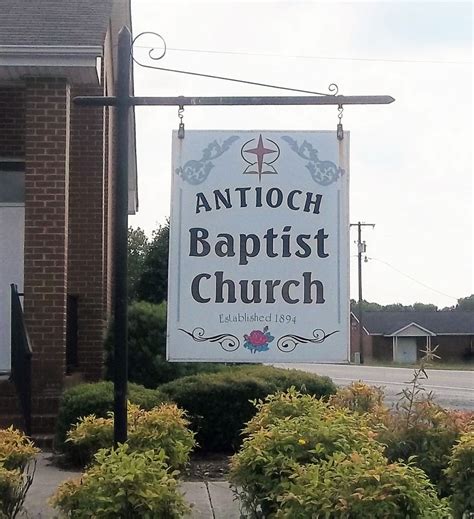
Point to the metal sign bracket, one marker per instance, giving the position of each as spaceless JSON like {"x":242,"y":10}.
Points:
{"x":123,"y":101}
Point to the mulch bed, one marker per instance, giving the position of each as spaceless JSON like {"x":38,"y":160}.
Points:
{"x":207,"y":467}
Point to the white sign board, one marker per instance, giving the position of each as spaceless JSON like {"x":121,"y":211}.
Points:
{"x":259,"y":247}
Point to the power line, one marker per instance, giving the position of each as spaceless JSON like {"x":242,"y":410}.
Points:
{"x":304,"y":56}
{"x":413,"y":279}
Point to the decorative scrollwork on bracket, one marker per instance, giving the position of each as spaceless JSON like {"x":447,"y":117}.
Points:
{"x":288,"y":343}
{"x":151,"y":50}
{"x":227,"y":341}
{"x":333,"y":89}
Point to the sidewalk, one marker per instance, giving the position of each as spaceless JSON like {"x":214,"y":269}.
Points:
{"x":209,"y":499}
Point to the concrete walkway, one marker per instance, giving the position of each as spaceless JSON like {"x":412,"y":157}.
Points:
{"x":209,"y":499}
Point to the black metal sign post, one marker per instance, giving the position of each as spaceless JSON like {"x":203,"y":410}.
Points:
{"x":123,"y":101}
{"x":120,"y":243}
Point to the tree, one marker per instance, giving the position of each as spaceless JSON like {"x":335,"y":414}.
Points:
{"x":425,"y":307}
{"x":138,"y":246}
{"x":153,"y":283}
{"x":367,"y":306}
{"x":466,"y":303}
{"x":397,"y":307}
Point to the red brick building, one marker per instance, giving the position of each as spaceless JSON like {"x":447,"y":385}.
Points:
{"x":56,"y":179}
{"x":401,"y":337}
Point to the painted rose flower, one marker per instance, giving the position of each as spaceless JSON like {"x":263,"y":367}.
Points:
{"x":258,"y":340}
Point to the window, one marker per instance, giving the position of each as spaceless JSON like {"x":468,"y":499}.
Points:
{"x":12,"y":182}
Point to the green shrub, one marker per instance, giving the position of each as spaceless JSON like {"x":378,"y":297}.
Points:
{"x":426,"y":436}
{"x":278,"y":445}
{"x":16,"y":450}
{"x":163,"y":427}
{"x":281,"y":405}
{"x":360,"y":485}
{"x":361,"y":398}
{"x":219,"y":404}
{"x":166,"y":427}
{"x":461,"y":419}
{"x":17,"y":468}
{"x":11,"y":500}
{"x":86,"y":437}
{"x":460,"y":473}
{"x":123,"y":484}
{"x":420,"y":430}
{"x":147,"y":364}
{"x":97,"y":399}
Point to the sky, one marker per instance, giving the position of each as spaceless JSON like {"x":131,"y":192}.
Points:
{"x":411,"y":161}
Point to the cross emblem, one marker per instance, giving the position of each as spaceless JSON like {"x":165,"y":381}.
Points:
{"x":260,"y":151}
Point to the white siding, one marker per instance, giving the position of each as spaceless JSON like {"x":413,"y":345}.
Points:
{"x":12,"y":223}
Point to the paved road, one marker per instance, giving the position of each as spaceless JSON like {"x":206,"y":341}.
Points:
{"x":452,"y":388}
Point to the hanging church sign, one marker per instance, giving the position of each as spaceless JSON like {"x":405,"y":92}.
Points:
{"x":259,"y":247}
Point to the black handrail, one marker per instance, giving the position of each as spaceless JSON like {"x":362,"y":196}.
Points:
{"x":21,"y":357}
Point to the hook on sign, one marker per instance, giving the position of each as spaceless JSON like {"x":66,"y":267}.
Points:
{"x":181,"y":123}
{"x":340,"y":130}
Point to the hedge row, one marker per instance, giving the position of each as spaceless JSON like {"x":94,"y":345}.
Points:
{"x":219,"y":404}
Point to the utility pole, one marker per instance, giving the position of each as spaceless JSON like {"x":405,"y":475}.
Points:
{"x":361,"y":249}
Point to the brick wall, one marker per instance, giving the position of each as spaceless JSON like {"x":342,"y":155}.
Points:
{"x":86,"y":231}
{"x":12,"y":122}
{"x":383,"y":348}
{"x":451,"y":348}
{"x":454,"y":348}
{"x":66,"y":199}
{"x":68,"y":226}
{"x":355,"y":339}
{"x":47,"y":103}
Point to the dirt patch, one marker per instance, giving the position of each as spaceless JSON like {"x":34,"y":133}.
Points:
{"x":201,"y":467}
{"x":207,"y":467}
